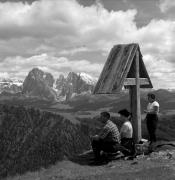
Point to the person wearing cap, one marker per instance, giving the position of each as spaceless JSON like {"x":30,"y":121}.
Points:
{"x":108,"y":140}
{"x":152,"y":116}
{"x":126,"y":131}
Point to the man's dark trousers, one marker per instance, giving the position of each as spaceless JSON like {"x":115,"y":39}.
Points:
{"x":110,"y":147}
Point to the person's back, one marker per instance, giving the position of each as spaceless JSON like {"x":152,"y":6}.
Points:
{"x":110,"y":132}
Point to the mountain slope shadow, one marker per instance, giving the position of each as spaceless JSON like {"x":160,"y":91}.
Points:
{"x":88,"y":158}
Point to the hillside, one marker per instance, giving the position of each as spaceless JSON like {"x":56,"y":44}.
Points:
{"x":158,"y":165}
{"x":31,"y":139}
{"x":36,"y":133}
{"x":90,"y":102}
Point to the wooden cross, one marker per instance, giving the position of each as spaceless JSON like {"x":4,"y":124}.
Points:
{"x":125,"y":67}
{"x":134,"y":91}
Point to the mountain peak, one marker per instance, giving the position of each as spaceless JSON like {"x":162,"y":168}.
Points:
{"x":39,"y":83}
{"x":71,"y":76}
{"x":87,"y":78}
{"x":74,"y":84}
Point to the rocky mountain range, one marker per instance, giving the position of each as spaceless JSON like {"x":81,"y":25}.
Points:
{"x":10,"y":85}
{"x":74,"y":84}
{"x":42,"y":85}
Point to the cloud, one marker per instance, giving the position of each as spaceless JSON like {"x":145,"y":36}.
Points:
{"x":63,"y":24}
{"x":161,"y":72}
{"x":51,"y":33}
{"x":74,"y":50}
{"x":157,"y":39}
{"x":4,"y":75}
{"x":165,"y":5}
{"x":20,"y":66}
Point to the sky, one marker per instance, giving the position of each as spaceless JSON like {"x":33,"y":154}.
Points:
{"x":59,"y":36}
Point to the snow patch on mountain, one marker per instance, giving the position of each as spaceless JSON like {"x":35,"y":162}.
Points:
{"x":10,"y":85}
{"x":87,"y":78}
{"x":11,"y":81}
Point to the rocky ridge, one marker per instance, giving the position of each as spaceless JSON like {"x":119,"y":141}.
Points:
{"x":10,"y":85}
{"x":42,"y":85}
{"x":74,"y":84}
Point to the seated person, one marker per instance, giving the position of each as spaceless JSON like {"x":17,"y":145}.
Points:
{"x":126,"y":131}
{"x":108,"y":139}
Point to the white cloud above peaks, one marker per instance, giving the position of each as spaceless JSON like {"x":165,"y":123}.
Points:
{"x":20,"y":66}
{"x":65,"y":23}
{"x":166,"y":5}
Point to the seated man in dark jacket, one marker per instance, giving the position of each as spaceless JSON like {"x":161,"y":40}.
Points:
{"x":108,"y":139}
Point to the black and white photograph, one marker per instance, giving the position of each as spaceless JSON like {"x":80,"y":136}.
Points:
{"x":87,"y":89}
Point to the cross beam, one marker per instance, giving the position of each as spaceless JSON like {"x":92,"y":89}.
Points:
{"x":132,"y":81}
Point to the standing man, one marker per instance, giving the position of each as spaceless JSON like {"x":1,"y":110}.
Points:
{"x":108,"y":139}
{"x":152,"y":117}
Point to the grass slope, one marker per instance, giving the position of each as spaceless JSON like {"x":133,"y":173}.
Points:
{"x":31,"y":139}
{"x":158,"y":165}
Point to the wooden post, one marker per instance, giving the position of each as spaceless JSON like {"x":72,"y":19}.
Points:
{"x":135,"y":103}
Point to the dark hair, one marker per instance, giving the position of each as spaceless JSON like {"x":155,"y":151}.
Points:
{"x":105,"y":114}
{"x":152,"y":96}
{"x":124,"y":112}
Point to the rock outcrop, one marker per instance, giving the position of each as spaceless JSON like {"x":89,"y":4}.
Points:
{"x":39,"y":84}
